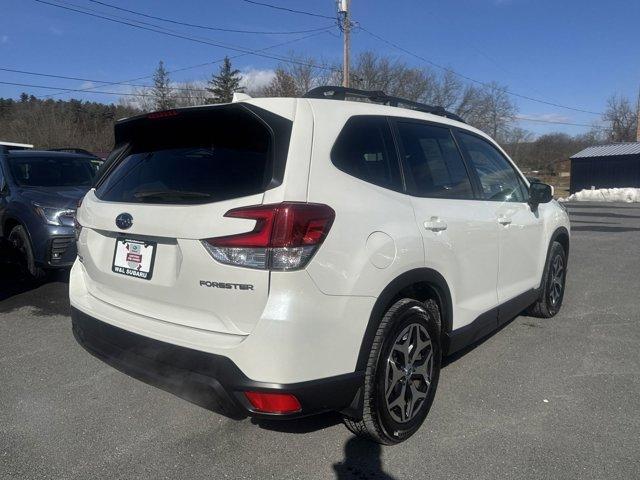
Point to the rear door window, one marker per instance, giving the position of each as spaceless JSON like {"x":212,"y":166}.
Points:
{"x":365,"y":149}
{"x":199,"y":158}
{"x":433,"y":161}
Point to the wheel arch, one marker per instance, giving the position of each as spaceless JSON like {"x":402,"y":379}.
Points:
{"x":420,"y":284}
{"x":8,"y":223}
{"x":561,"y":235}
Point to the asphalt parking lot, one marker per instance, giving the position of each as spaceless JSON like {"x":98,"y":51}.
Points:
{"x":556,"y":398}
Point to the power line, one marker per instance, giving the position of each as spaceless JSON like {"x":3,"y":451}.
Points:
{"x":470,"y":79}
{"x":293,"y":61}
{"x":192,"y":39}
{"x":50,"y":87}
{"x":557,"y":122}
{"x":290,"y":10}
{"x":205,"y":27}
{"x":93,"y":80}
{"x":191,"y":67}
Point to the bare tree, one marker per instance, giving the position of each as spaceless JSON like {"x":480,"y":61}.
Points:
{"x":622,"y":117}
{"x":372,"y":71}
{"x":597,"y":135}
{"x":190,"y":94}
{"x":548,"y":153}
{"x":499,"y":109}
{"x":141,"y":98}
{"x":514,"y":142}
{"x":282,"y":85}
{"x":488,"y":108}
{"x":470,"y":104}
{"x":446,"y":91}
{"x":295,"y":79}
{"x":308,"y":73}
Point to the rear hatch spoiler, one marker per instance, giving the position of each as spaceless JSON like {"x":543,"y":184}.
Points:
{"x":153,"y":129}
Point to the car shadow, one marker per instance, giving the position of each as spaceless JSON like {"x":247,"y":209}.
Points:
{"x":300,"y":425}
{"x":48,"y":296}
{"x":449,"y":359}
{"x":362,"y":458}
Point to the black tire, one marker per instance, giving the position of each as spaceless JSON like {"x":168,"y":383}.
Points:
{"x":19,"y":241}
{"x":378,"y":423}
{"x":552,"y":288}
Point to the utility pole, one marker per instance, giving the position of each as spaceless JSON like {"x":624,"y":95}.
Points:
{"x":345,"y":26}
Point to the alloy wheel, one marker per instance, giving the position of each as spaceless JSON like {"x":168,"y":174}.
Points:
{"x":409,"y":372}
{"x":557,"y":280}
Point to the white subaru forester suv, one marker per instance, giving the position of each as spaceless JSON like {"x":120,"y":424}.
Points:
{"x":282,"y":257}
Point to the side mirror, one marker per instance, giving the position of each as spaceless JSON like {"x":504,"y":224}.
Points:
{"x":539,"y":193}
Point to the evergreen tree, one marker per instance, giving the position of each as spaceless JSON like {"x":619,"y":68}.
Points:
{"x":161,"y":90}
{"x":222,"y":86}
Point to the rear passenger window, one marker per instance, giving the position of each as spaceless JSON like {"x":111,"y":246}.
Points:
{"x":499,"y":180}
{"x":365,"y":150}
{"x":435,"y":164}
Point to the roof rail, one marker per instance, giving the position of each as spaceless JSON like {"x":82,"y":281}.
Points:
{"x":377,"y":96}
{"x":80,"y":151}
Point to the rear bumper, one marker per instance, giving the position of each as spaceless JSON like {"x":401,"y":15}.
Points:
{"x":211,"y":381}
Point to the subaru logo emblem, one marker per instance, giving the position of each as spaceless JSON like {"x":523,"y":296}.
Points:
{"x":124,"y":221}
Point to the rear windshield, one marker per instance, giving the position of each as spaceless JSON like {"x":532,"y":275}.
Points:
{"x":192,"y":159}
{"x":52,"y":172}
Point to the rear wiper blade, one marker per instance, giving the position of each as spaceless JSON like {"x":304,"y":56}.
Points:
{"x":170,"y":194}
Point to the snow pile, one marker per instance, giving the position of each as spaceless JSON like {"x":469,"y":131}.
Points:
{"x":628,"y":195}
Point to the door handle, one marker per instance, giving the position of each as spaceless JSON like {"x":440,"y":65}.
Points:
{"x":504,"y":221}
{"x":435,"y":225}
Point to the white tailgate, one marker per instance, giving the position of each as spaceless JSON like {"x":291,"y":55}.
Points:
{"x":187,"y":286}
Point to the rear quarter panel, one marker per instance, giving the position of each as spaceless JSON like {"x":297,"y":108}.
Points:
{"x":374,"y":237}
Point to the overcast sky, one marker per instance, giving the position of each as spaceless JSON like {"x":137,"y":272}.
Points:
{"x":571,"y":52}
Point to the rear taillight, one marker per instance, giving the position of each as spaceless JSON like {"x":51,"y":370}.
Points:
{"x":285,"y":236}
